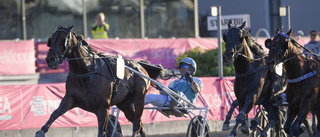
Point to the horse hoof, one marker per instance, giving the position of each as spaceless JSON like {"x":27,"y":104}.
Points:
{"x":230,"y":136}
{"x":254,"y":123}
{"x":317,"y":134}
{"x":117,"y":134}
{"x":40,"y":133}
{"x":245,"y":131}
{"x":263,"y":134}
{"x":225,"y":127}
{"x":300,"y":131}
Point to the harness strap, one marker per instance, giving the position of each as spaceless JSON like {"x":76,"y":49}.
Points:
{"x":82,"y":75}
{"x":302,"y":77}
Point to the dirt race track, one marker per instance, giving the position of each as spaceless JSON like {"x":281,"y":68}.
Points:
{"x":217,"y":134}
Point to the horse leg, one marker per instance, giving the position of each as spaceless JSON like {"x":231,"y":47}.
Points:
{"x":64,"y":106}
{"x":128,"y":111}
{"x":244,"y":126}
{"x":241,"y":116}
{"x":314,"y":127}
{"x":103,"y":117}
{"x":228,"y":116}
{"x":302,"y":115}
{"x":273,"y":116}
{"x":316,"y":132}
{"x":239,"y":119}
{"x":139,"y":98}
{"x":138,"y":107}
{"x":291,"y":115}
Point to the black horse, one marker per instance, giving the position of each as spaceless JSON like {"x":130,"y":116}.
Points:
{"x":92,"y":84}
{"x":254,"y":84}
{"x":303,"y":81}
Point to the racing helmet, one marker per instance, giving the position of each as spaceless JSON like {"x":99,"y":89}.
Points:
{"x":191,"y":62}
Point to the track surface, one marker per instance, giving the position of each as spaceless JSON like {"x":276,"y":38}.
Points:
{"x":217,"y":134}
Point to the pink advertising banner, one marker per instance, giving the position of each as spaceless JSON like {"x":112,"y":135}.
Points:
{"x":17,"y":57}
{"x":30,"y":106}
{"x":157,"y":51}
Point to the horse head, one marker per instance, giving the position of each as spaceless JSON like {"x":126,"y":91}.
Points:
{"x":234,"y":39}
{"x":278,"y":46}
{"x":59,"y":46}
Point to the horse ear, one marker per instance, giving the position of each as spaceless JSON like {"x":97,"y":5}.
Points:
{"x":289,"y":32}
{"x":267,"y":43}
{"x":49,"y":42}
{"x":277,"y":31}
{"x":243,"y":24}
{"x":229,"y":24}
{"x":79,"y":36}
{"x":69,"y":29}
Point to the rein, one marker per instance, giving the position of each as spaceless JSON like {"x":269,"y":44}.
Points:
{"x":93,"y":56}
{"x":250,"y":59}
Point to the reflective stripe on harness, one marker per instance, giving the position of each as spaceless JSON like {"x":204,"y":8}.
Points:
{"x":302,"y":77}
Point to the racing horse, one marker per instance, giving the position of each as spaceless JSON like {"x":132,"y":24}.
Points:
{"x":253,"y":82}
{"x":92,"y":85}
{"x":303,"y":81}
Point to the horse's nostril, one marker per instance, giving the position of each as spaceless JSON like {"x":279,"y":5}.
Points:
{"x":50,"y":60}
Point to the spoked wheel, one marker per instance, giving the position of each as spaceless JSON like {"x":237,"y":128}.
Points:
{"x":283,"y":117}
{"x":195,"y":127}
{"x":111,"y":124}
{"x":259,"y":123}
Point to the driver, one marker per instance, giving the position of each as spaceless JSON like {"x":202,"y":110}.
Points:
{"x":187,"y":86}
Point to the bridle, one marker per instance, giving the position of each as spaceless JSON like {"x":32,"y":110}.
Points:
{"x":238,"y":47}
{"x":281,"y":54}
{"x":60,"y":56}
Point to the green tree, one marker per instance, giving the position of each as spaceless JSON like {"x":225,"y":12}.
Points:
{"x":207,"y":62}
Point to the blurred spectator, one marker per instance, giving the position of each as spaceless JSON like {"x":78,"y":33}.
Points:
{"x":101,"y":28}
{"x":313,"y":45}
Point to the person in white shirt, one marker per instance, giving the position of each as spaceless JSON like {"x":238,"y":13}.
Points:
{"x":313,"y":45}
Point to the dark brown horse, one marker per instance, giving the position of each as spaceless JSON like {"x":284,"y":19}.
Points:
{"x":253,"y":83}
{"x":92,"y":84}
{"x":303,"y":81}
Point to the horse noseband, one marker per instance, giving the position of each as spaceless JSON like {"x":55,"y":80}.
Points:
{"x":60,"y":56}
{"x":281,"y":54}
{"x":237,"y":45}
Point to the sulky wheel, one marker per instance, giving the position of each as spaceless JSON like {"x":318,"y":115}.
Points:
{"x":111,"y":124}
{"x":259,"y":123}
{"x":194,"y":128}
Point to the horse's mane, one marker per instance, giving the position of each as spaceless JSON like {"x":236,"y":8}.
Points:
{"x":296,"y":45}
{"x":253,"y":45}
{"x":85,"y":44}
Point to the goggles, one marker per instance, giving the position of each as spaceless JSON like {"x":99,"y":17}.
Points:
{"x":184,"y":66}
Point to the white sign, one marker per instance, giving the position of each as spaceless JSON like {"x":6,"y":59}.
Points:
{"x":236,"y":20}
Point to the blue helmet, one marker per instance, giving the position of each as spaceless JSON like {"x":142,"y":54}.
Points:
{"x":191,"y":62}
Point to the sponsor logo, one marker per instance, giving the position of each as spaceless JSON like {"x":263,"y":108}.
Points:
{"x":43,"y":107}
{"x":5,"y":109}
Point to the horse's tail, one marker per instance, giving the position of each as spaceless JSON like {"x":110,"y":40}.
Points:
{"x":154,"y":71}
